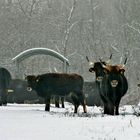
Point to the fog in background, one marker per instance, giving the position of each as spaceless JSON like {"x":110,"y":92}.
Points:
{"x":74,"y":28}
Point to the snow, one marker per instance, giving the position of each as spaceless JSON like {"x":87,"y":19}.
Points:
{"x":31,"y":122}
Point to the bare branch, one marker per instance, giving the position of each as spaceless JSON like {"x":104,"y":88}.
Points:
{"x":114,"y":47}
{"x":67,"y":31}
{"x":55,"y":69}
{"x":57,"y":48}
{"x":22,"y":9}
{"x":121,"y":58}
{"x":131,"y":27}
{"x":32,"y":6}
{"x":72,"y":25}
{"x":72,"y":54}
{"x":72,"y":11}
{"x":50,"y":70}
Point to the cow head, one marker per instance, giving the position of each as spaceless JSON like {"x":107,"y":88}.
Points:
{"x":97,"y":67}
{"x":31,"y":81}
{"x":114,"y":72}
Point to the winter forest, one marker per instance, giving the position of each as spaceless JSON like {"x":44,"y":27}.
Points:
{"x":74,"y":28}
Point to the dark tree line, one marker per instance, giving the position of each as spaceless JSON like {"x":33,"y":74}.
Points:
{"x":75,"y":28}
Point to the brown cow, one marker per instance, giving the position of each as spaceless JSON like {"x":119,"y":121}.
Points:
{"x":60,"y":84}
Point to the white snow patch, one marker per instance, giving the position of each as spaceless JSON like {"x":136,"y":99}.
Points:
{"x":31,"y":122}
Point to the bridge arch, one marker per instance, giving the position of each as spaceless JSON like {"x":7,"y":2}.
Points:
{"x":37,"y":51}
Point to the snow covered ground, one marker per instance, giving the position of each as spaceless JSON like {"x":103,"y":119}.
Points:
{"x":31,"y":122}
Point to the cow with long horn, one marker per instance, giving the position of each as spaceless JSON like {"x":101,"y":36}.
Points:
{"x":112,"y":84}
{"x":97,"y":68}
{"x":113,"y":87}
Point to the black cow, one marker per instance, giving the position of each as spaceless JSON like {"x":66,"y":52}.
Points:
{"x":110,"y":96}
{"x":59,"y":84}
{"x":20,"y":86}
{"x":5,"y":79}
{"x":113,"y":86}
{"x":19,"y":93}
{"x":57,"y":101}
{"x":91,"y":92}
{"x":97,"y":68}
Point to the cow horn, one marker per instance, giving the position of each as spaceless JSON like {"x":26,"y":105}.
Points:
{"x":90,"y":63}
{"x":110,"y":57}
{"x":103,"y":65}
{"x":37,"y":78}
{"x":109,"y":60}
{"x":125,"y":61}
{"x":87,"y":58}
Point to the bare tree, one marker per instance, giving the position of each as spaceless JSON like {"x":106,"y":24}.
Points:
{"x":68,"y":27}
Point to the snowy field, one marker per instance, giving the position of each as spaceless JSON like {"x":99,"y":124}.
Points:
{"x":31,"y":122}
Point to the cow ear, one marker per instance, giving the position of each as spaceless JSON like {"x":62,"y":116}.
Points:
{"x":91,"y":70}
{"x":37,"y":78}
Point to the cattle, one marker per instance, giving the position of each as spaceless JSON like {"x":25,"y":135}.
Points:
{"x":91,"y":91}
{"x":110,"y":93}
{"x":59,"y":84}
{"x":20,"y":95}
{"x":57,"y":98}
{"x":19,"y":86}
{"x":97,"y":68}
{"x":5,"y":79}
{"x":113,"y":87}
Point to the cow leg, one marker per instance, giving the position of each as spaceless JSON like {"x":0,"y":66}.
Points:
{"x":111,"y":109}
{"x":47,"y":102}
{"x":108,"y":106}
{"x":0,"y":101}
{"x":75,"y":102}
{"x":117,"y":110}
{"x":117,"y":106}
{"x":83,"y":102}
{"x":0,"y":97}
{"x":4,"y":97}
{"x":84,"y":108}
{"x":57,"y":101}
{"x":106,"y":110}
{"x":62,"y":102}
{"x":76,"y":105}
{"x":75,"y":108}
